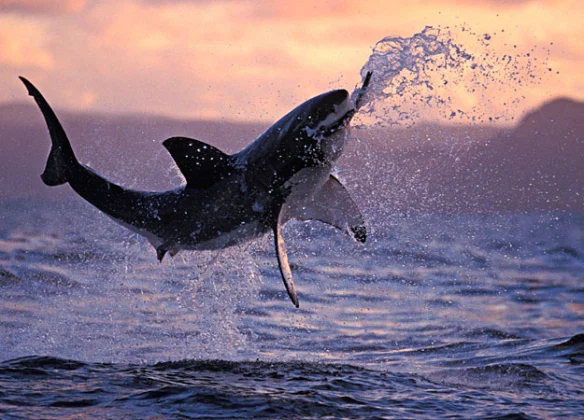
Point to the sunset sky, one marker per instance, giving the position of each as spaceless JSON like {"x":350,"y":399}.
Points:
{"x":254,"y":60}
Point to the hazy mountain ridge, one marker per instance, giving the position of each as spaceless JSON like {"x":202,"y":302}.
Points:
{"x":125,"y":148}
{"x":536,"y":165}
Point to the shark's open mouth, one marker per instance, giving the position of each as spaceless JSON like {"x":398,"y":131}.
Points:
{"x":341,"y":115}
{"x":349,"y":107}
{"x":344,"y":120}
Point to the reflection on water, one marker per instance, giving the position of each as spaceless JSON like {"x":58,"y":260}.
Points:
{"x":461,"y":305}
{"x":96,"y":293}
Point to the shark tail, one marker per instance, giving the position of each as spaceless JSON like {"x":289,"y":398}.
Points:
{"x":61,"y":158}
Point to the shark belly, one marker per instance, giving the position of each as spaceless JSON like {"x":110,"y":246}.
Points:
{"x":239,"y":235}
{"x":201,"y":235}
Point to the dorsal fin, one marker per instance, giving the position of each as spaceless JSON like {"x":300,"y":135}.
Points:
{"x":201,"y":164}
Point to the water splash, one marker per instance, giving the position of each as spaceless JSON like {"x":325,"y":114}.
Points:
{"x":214,"y":296}
{"x":433,"y":75}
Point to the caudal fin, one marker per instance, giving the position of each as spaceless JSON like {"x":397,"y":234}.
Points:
{"x":61,"y":158}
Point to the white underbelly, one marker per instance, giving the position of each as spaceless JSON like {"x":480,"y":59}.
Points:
{"x":303,"y":186}
{"x":243,"y":233}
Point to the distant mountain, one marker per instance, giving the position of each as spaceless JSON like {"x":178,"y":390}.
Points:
{"x":536,"y":165}
{"x":125,"y":148}
{"x":540,"y":163}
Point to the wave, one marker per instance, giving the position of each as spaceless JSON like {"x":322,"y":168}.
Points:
{"x":218,"y":388}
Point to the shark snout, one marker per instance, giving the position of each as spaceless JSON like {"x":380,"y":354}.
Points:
{"x":338,"y":96}
{"x":333,"y":102}
{"x":332,"y":110}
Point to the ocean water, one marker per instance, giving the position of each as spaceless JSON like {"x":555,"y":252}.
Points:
{"x":437,"y":316}
{"x":461,"y":316}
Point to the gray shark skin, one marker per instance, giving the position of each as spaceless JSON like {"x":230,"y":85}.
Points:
{"x":229,"y":199}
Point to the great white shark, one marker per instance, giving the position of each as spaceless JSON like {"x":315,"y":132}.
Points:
{"x":286,"y":173}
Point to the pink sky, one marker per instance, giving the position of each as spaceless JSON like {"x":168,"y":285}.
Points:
{"x":255,"y":60}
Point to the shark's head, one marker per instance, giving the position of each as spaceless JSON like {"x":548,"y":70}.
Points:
{"x":323,"y":115}
{"x":323,"y":120}
{"x":312,"y":134}
{"x":315,"y":130}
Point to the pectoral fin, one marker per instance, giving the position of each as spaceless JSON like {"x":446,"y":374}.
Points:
{"x":283,"y":260}
{"x":333,"y":205}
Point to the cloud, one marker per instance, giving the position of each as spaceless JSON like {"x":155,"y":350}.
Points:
{"x":43,"y":6}
{"x":246,"y":59}
{"x":22,"y":44}
{"x":504,"y":3}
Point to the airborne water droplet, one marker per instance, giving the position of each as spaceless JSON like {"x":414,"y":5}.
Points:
{"x":432,"y":75}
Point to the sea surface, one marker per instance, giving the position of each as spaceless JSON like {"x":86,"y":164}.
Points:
{"x":437,"y":316}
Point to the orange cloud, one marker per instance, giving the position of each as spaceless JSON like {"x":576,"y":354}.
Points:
{"x":256,"y":59}
{"x":23,"y":45}
{"x":42,"y":6}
